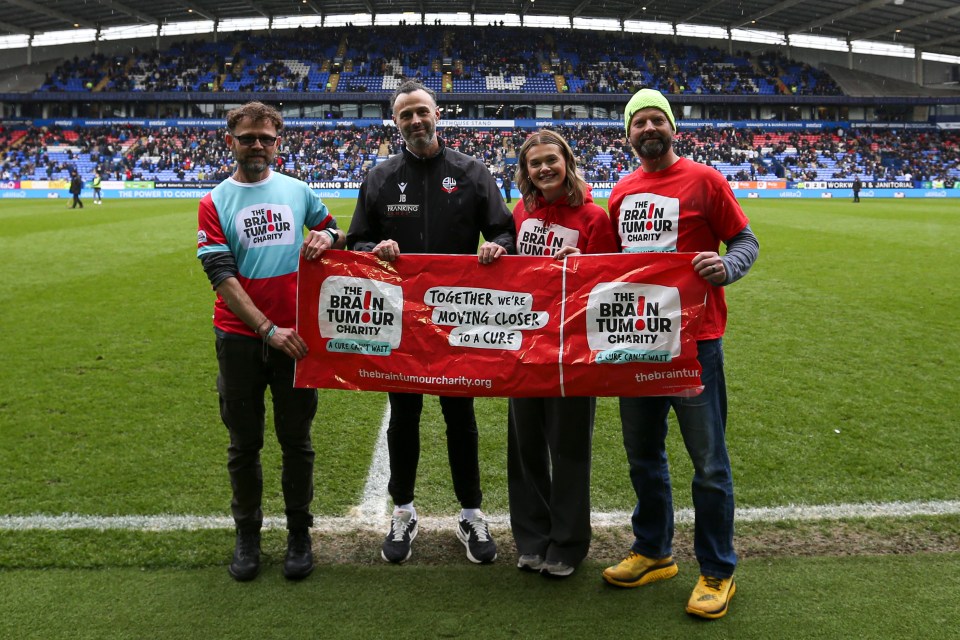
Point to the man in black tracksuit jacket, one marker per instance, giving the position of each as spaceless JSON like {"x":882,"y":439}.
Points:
{"x":431,"y":199}
{"x":434,"y":205}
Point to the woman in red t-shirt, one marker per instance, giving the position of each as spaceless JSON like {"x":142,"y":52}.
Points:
{"x":549,"y":447}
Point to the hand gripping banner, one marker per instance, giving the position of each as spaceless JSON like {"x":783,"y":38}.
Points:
{"x":590,"y":325}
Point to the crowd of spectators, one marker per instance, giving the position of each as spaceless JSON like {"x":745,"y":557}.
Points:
{"x":503,"y":52}
{"x":304,"y":59}
{"x":623,"y":66}
{"x":347,"y":153}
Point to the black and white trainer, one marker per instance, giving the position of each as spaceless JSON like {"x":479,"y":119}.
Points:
{"x":403,"y":530}
{"x":475,"y":535}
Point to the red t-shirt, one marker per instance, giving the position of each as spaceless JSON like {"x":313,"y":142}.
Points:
{"x":685,"y":207}
{"x":551,"y":226}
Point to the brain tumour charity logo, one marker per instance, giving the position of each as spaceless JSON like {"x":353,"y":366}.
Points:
{"x":632,"y":322}
{"x":265,"y":225}
{"x":537,"y":239}
{"x":648,"y":222}
{"x":358,"y":315}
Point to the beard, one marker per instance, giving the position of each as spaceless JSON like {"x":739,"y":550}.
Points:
{"x":421,"y":139}
{"x":254,"y":165}
{"x":653,"y":147}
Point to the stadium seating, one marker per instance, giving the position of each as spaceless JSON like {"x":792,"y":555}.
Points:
{"x":186,"y":155}
{"x":501,"y":60}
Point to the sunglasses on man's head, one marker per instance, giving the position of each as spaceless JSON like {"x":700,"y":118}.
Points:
{"x":249,"y":141}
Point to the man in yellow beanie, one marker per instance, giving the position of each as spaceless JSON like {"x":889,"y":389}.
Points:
{"x":673,"y":204}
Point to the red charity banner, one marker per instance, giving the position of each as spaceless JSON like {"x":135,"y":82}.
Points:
{"x":589,"y":325}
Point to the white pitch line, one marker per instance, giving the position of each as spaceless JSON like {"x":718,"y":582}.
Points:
{"x":375,"y":523}
{"x":373,"y":505}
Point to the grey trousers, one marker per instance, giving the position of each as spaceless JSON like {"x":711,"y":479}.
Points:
{"x":548,"y":476}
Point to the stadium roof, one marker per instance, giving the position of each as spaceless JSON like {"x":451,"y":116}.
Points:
{"x":930,"y":25}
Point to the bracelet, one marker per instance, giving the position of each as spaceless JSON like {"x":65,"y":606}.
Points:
{"x":334,"y":236}
{"x":263,"y":323}
{"x":269,"y":333}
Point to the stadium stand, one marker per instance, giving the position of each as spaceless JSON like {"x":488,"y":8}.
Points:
{"x":347,"y":153}
{"x":508,"y":60}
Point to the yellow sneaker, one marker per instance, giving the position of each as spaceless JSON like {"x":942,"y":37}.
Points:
{"x":711,"y":597}
{"x":636,"y":570}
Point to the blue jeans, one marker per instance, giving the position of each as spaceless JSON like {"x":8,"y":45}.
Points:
{"x":703,"y":421}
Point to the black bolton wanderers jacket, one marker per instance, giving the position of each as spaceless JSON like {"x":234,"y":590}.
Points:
{"x":441,"y":204}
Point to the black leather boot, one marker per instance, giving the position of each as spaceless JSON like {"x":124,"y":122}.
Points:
{"x":246,"y":556}
{"x":299,"y":561}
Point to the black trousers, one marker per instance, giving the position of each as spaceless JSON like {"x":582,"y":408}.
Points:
{"x":548,"y":476}
{"x":76,"y":201}
{"x":245,"y":373}
{"x":403,"y":442}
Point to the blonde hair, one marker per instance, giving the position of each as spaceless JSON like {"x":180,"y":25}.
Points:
{"x":575,"y":186}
